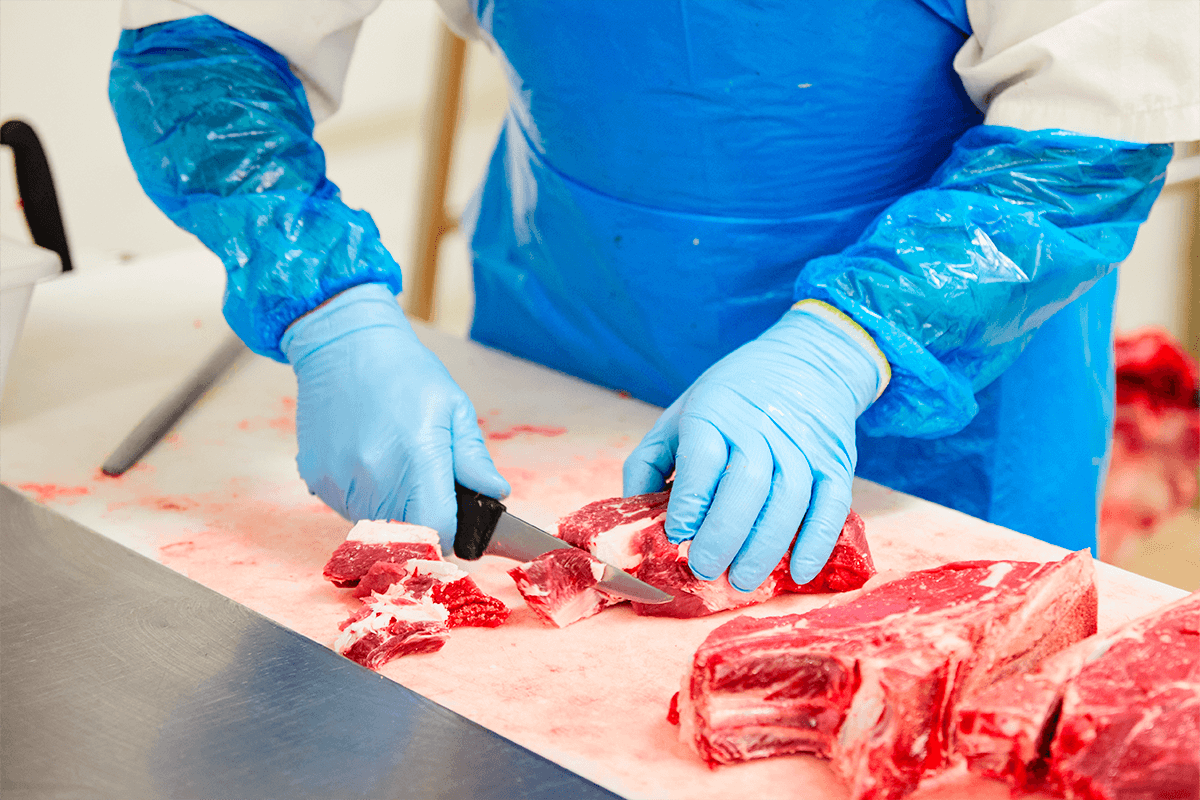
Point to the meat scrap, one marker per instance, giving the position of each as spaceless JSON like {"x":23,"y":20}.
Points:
{"x":1114,"y":716}
{"x":560,"y":586}
{"x":391,"y":625}
{"x":446,"y":584}
{"x":411,"y":598}
{"x":871,"y":681}
{"x":629,"y":533}
{"x":369,"y":542}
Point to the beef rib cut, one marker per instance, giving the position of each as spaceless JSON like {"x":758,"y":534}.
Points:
{"x":870,"y":681}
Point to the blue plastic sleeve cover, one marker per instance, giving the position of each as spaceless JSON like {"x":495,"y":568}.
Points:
{"x":953,"y":279}
{"x":219,"y":132}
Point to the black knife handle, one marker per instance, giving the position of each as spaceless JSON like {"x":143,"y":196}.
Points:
{"x":477,"y":518}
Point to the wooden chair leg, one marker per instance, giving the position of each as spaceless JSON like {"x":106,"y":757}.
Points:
{"x":433,"y":222}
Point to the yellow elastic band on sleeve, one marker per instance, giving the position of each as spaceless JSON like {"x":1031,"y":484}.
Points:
{"x":855,"y":331}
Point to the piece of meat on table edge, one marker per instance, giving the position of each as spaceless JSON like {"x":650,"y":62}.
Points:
{"x":1116,"y":715}
{"x":447,"y":584}
{"x":411,"y":597}
{"x":391,"y":625}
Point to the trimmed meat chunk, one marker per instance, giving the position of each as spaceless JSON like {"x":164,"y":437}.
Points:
{"x":628,"y":533}
{"x":560,"y":586}
{"x":446,"y":584}
{"x":391,"y":625}
{"x":370,"y":542}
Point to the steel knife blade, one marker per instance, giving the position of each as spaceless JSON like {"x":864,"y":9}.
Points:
{"x":486,"y":527}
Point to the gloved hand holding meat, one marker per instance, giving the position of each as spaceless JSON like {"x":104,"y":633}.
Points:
{"x":220,"y":132}
{"x":762,"y":446}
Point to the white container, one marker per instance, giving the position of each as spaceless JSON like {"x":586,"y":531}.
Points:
{"x":21,"y":266}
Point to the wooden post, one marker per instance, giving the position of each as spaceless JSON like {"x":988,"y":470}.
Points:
{"x":433,"y":222}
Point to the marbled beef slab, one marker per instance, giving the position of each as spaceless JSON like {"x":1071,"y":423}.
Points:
{"x":870,"y":681}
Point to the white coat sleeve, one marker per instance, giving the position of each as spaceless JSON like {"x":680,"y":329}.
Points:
{"x":1117,"y":69}
{"x":315,"y":36}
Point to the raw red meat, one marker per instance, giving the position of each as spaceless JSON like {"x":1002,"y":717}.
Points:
{"x":392,"y":625}
{"x":411,"y":598}
{"x":447,"y":585}
{"x":1114,"y":716}
{"x":1152,"y":474}
{"x":560,"y":586}
{"x":369,"y":542}
{"x":870,"y":681}
{"x":382,"y":575}
{"x":468,"y":605}
{"x":628,"y":533}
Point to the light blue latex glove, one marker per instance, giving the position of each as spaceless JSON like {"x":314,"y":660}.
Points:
{"x":383,"y":430}
{"x":762,"y":444}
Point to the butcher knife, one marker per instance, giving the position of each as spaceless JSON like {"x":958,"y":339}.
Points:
{"x":486,"y":528}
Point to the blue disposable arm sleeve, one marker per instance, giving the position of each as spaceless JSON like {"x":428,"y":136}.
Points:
{"x":952,"y":280}
{"x":220,"y":135}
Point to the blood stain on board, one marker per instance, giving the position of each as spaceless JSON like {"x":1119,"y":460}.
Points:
{"x":284,"y":420}
{"x":178,"y":548}
{"x":517,"y":430}
{"x":172,"y":503}
{"x":52,"y":492}
{"x":258,"y":552}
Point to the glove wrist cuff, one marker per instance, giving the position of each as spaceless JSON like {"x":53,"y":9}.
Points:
{"x":855,"y":333}
{"x":368,"y":305}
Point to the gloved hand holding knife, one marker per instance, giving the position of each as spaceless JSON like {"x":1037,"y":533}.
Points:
{"x":385,"y":433}
{"x":383,"y":430}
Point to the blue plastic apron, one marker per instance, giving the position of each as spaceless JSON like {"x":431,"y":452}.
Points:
{"x":667,"y":168}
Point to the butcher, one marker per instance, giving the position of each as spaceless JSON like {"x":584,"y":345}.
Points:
{"x":873,"y":238}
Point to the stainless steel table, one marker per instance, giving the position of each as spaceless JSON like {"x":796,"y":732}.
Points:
{"x":122,"y":679}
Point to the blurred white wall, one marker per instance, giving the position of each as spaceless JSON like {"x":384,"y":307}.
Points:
{"x":1154,"y":279}
{"x":54,"y":58}
{"x":54,"y":62}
